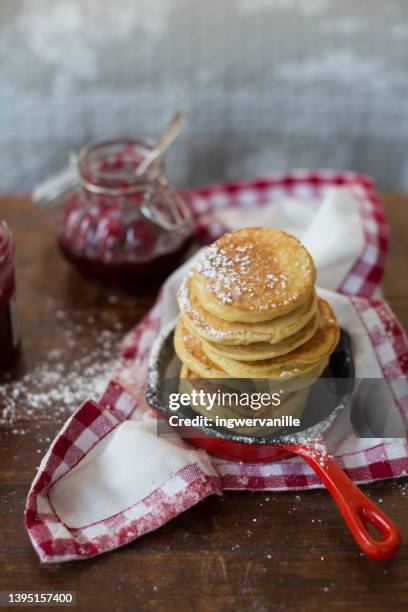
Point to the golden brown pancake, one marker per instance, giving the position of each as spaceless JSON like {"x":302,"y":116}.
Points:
{"x":213,"y":329}
{"x":255,"y":274}
{"x":259,"y":351}
{"x":293,"y":364}
{"x":186,"y":373}
{"x":189,"y":351}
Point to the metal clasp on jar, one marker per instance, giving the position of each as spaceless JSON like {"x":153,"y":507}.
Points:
{"x":175,"y":216}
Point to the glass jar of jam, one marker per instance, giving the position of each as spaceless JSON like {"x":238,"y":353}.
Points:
{"x":9,"y":339}
{"x":118,"y":226}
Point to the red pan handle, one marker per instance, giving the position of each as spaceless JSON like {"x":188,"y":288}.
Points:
{"x":358,"y":511}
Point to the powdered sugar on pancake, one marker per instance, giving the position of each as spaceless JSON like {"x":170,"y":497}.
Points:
{"x":274,"y":280}
{"x":226,"y":274}
{"x":230,"y":277}
{"x":239,"y":273}
{"x":186,"y":306}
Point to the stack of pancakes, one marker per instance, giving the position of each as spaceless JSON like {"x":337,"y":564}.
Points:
{"x":249,"y":309}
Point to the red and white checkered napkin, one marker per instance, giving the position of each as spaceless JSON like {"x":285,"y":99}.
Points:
{"x":214,"y":204}
{"x":108,"y":479}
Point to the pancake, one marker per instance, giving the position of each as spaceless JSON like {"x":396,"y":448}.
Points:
{"x":259,"y":351}
{"x":186,"y":373}
{"x":189,"y":351}
{"x":325,"y":340}
{"x":213,"y":329}
{"x":253,"y":274}
{"x":266,"y":368}
{"x":297,"y":363}
{"x":249,"y":310}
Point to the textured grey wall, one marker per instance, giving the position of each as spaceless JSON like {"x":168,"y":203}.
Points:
{"x":267,"y":84}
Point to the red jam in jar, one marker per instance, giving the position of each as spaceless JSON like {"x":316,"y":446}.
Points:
{"x":117,"y":226}
{"x":9,"y":340}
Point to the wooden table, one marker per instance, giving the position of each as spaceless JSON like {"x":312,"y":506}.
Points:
{"x":297,"y":554}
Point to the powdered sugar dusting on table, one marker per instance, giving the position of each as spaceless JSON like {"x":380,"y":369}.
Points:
{"x":55,"y":387}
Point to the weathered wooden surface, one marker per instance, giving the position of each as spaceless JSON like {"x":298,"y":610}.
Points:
{"x":297,"y":554}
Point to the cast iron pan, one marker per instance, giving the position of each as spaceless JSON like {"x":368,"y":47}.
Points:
{"x":358,"y":511}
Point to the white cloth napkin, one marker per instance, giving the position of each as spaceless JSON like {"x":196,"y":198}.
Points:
{"x":126,"y":466}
